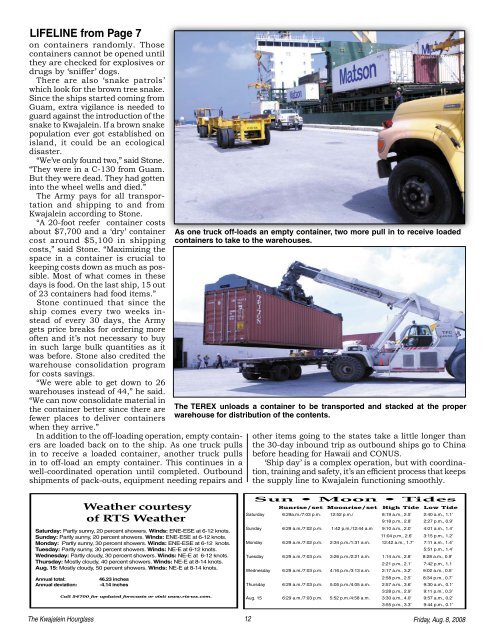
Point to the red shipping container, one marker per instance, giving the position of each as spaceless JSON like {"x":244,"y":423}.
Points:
{"x":426,"y":69}
{"x":254,"y":317}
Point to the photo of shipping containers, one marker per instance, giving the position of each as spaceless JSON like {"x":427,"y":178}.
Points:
{"x":291,"y":113}
{"x":417,"y":64}
{"x":284,"y":322}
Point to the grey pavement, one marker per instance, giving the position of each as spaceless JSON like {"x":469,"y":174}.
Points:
{"x":316,"y":383}
{"x":311,"y":176}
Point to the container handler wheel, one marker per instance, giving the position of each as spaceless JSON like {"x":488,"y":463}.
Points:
{"x":458,"y":368}
{"x":280,"y":373}
{"x":203,"y":131}
{"x":348,"y":369}
{"x":250,"y":376}
{"x":295,"y":372}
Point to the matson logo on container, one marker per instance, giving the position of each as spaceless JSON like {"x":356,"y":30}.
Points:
{"x":346,"y":75}
{"x":375,"y":70}
{"x":371,"y":71}
{"x":295,"y":95}
{"x":309,"y":91}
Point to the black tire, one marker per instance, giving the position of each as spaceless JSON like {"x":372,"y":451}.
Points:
{"x":266,"y":139}
{"x":222,"y":138}
{"x":422,"y":191}
{"x":280,"y":373}
{"x":458,"y":367}
{"x":300,"y":127}
{"x":348,"y":369}
{"x":295,"y":372}
{"x":250,"y":376}
{"x":267,"y":136}
{"x":203,"y":131}
{"x":230,"y":138}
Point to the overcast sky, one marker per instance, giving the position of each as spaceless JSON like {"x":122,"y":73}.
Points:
{"x":436,"y":273}
{"x":213,"y":68}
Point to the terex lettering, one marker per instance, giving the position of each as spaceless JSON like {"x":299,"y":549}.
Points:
{"x":347,"y":76}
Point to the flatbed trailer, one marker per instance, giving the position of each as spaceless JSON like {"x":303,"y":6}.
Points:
{"x":255,"y":130}
{"x":282,"y":368}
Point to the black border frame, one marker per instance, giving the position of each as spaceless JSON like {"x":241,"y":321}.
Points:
{"x":306,"y":247}
{"x":334,"y":224}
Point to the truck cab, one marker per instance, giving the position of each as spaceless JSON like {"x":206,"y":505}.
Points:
{"x":203,"y":117}
{"x":287,"y":119}
{"x":425,"y":142}
{"x":417,"y":335}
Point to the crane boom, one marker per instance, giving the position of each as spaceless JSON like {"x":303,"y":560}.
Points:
{"x":449,"y":42}
{"x":365,"y":36}
{"x":393,"y":299}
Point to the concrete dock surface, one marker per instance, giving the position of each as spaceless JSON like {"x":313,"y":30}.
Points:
{"x":314,"y":176}
{"x":315,"y":383}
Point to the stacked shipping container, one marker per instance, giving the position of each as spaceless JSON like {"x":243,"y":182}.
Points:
{"x":238,"y":311}
{"x":398,"y":67}
{"x":425,"y":69}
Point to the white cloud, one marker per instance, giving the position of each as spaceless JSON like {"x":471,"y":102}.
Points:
{"x":199,"y":47}
{"x":188,"y":72}
{"x":237,"y":57}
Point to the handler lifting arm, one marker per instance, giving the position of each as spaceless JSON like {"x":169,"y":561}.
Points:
{"x":421,"y":349}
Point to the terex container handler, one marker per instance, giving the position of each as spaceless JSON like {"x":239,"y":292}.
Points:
{"x":421,"y":348}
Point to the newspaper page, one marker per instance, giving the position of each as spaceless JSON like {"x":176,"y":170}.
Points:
{"x":237,"y":265}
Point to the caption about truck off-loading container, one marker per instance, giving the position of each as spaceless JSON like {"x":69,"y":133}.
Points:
{"x":290,"y":235}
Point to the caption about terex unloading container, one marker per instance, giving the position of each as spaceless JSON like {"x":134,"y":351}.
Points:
{"x":287,"y":410}
{"x":133,"y":550}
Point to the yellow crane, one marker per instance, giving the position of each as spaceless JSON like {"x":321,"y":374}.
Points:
{"x":260,"y":84}
{"x":448,"y":43}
